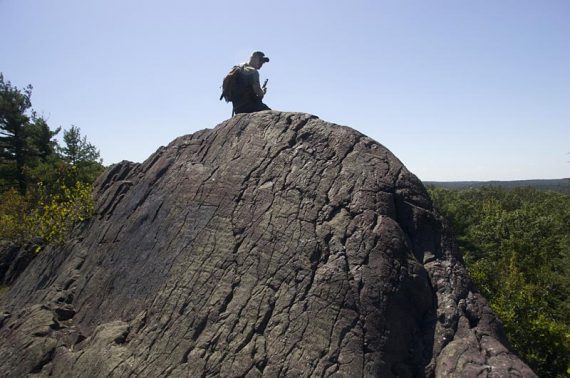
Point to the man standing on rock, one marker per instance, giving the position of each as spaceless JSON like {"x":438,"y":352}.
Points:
{"x":242,"y":86}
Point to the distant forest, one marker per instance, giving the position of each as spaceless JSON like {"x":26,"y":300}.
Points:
{"x":560,"y":185}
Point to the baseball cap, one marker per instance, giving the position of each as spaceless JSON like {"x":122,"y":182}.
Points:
{"x":261,"y":55}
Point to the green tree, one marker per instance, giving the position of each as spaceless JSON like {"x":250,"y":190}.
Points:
{"x":14,"y":104}
{"x":61,"y":176}
{"x":26,"y":140}
{"x":81,"y":155}
{"x":516,"y":246}
{"x":78,"y":150}
{"x":41,"y":139}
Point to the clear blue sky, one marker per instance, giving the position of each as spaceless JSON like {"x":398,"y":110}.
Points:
{"x":457,"y":89}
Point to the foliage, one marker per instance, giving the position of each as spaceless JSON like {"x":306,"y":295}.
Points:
{"x":14,"y":210}
{"x":44,"y":213}
{"x":58,"y":212}
{"x":516,"y":246}
{"x":14,"y":105}
{"x":81,"y":154}
{"x":44,"y":188}
{"x":76,"y":149}
{"x":41,"y":140}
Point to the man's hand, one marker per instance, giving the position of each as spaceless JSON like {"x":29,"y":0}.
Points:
{"x":264,"y":87}
{"x":260,"y":91}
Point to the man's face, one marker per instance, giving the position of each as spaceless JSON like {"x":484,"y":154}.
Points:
{"x":257,"y":62}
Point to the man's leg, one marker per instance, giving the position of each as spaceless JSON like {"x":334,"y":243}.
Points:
{"x":251,"y":107}
{"x":259,"y":106}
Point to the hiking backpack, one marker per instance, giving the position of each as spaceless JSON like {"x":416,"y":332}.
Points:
{"x":232,"y":85}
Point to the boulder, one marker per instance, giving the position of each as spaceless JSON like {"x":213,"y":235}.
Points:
{"x":275,"y":244}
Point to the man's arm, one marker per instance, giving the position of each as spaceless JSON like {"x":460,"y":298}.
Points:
{"x":259,"y":92}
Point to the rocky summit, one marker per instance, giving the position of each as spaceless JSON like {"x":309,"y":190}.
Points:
{"x":274,"y":245}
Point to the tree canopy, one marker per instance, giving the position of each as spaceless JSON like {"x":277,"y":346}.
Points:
{"x":516,"y":246}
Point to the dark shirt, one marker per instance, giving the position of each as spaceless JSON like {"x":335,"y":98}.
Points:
{"x":250,"y":100}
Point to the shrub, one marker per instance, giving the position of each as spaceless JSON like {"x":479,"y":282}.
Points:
{"x":48,"y":213}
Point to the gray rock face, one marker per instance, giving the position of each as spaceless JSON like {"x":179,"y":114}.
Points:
{"x":273,"y":245}
{"x":15,"y":257}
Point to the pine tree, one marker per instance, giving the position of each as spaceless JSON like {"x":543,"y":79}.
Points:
{"x":81,"y":155}
{"x":26,"y":141}
{"x":14,"y":103}
{"x":41,"y":139}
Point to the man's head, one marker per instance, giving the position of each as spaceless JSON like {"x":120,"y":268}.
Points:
{"x":257,"y":59}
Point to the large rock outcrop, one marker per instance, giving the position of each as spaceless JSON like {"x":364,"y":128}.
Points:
{"x":275,"y":244}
